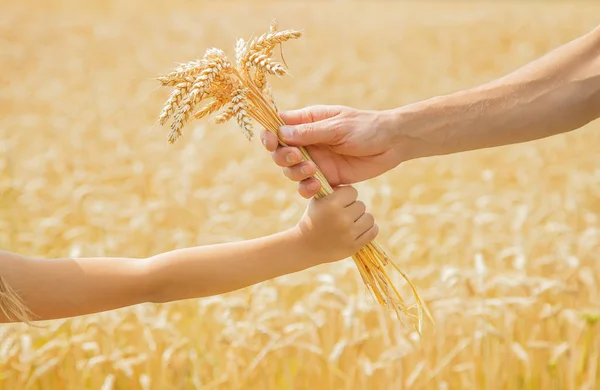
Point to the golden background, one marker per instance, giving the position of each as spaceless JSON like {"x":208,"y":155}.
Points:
{"x":503,"y":243}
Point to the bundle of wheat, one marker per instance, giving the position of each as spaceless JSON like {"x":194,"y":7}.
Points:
{"x":243,"y":92}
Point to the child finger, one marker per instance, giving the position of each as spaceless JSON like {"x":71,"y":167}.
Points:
{"x":364,"y":223}
{"x":356,"y":210}
{"x":345,"y":195}
{"x":368,"y":236}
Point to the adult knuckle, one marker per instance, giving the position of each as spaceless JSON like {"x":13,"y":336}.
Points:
{"x":289,"y":173}
{"x":308,"y":113}
{"x":276,"y":156}
{"x":306,"y":169}
{"x":338,"y":128}
{"x":305,"y":191}
{"x":299,"y":173}
{"x":307,"y":128}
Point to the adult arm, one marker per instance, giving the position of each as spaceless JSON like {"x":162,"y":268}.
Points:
{"x":554,"y":94}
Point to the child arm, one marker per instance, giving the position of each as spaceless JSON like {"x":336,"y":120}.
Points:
{"x":331,"y":229}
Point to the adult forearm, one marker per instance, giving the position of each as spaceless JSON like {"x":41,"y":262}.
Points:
{"x":217,"y":269}
{"x":557,"y":93}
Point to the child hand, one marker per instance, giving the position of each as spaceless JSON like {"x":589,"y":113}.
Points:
{"x":336,"y":226}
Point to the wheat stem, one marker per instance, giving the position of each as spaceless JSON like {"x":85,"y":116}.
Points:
{"x":246,"y":91}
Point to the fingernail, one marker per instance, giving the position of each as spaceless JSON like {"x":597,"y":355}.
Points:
{"x":305,"y":170}
{"x":313,"y":186}
{"x":286,"y":131}
{"x":290,"y":157}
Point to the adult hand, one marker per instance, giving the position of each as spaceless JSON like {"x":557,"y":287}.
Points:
{"x":348,"y":145}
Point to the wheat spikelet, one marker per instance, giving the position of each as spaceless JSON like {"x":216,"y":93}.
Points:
{"x":265,"y":64}
{"x":263,"y":47}
{"x":240,"y":51}
{"x":223,"y":86}
{"x":210,"y":108}
{"x":199,"y":90}
{"x":245,"y":94}
{"x":173,"y":81}
{"x":260,"y":77}
{"x":272,"y":29}
{"x":222,"y":90}
{"x":268,"y":41}
{"x":184,"y":72}
{"x":189,"y":68}
{"x":215,"y":53}
{"x":173,"y":102}
{"x":239,"y":109}
{"x":224,"y":116}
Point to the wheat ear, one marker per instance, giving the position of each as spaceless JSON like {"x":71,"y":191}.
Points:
{"x":243,"y":93}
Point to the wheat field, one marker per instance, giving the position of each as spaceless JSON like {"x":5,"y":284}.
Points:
{"x":503,"y":244}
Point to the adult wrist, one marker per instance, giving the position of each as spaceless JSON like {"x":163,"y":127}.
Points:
{"x":410,"y":131}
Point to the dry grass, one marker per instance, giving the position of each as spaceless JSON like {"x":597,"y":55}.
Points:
{"x":503,"y":244}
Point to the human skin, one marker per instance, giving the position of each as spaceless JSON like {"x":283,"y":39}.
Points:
{"x":331,"y":229}
{"x":554,"y":94}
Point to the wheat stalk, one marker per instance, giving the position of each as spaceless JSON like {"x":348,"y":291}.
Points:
{"x":12,"y":305}
{"x":244,"y":93}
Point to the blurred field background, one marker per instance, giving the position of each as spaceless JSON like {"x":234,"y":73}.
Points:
{"x":503,"y":243}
